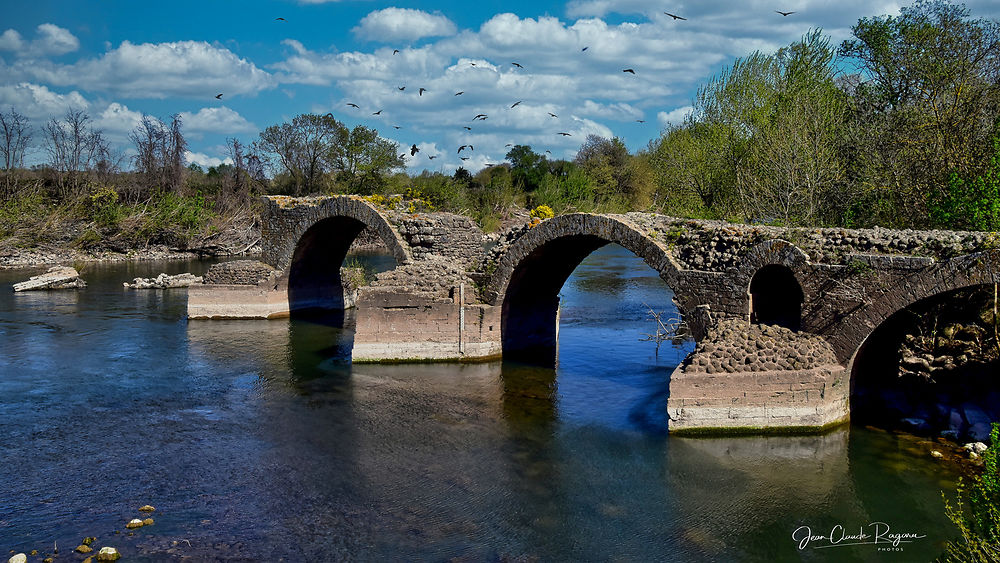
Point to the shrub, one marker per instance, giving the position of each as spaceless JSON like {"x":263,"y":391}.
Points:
{"x":976,"y":512}
{"x":542,"y":212}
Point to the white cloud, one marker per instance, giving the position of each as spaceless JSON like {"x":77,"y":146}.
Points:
{"x":118,"y":119}
{"x":11,"y":40}
{"x":52,"y":40}
{"x":220,"y":120}
{"x":673,"y":117}
{"x":403,"y":24}
{"x":38,"y":102}
{"x":158,"y":70}
{"x":205,"y":161}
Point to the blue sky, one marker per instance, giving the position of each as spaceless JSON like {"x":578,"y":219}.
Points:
{"x":119,"y":60}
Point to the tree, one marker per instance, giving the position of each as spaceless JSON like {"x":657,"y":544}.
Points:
{"x":306,"y":149}
{"x":527,"y":168}
{"x":932,"y":93}
{"x":74,"y":146}
{"x":616,"y":176}
{"x":364,"y":159}
{"x":16,"y":131}
{"x":159,"y":158}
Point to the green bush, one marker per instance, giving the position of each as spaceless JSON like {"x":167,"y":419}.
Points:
{"x":976,"y":512}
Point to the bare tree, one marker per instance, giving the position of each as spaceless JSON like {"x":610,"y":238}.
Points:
{"x":159,"y":158}
{"x":16,"y":131}
{"x":74,"y":146}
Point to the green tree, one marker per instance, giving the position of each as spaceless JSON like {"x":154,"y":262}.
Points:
{"x":527,"y":168}
{"x":364,"y":160}
{"x":305,"y":149}
{"x":617,"y":178}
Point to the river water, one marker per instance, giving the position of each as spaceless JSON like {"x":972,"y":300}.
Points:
{"x":259,"y":440}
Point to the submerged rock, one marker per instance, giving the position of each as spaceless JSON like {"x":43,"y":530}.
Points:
{"x":164,"y":281}
{"x":108,"y":554}
{"x":83,"y":548}
{"x":146,"y":508}
{"x":58,"y":277}
{"x":147,"y":522}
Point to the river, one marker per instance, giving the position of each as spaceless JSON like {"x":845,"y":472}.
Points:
{"x":259,"y":440}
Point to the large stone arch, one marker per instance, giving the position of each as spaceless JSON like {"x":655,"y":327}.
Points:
{"x":531,"y":272}
{"x":962,"y":272}
{"x":309,"y":239}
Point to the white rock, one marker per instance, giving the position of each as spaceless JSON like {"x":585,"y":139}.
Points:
{"x":58,"y":277}
{"x":164,"y":281}
{"x":108,"y":554}
{"x":19,"y":558}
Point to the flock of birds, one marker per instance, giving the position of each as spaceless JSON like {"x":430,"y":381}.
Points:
{"x":482,"y":116}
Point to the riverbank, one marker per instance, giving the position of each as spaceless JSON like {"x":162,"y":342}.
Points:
{"x":51,"y":255}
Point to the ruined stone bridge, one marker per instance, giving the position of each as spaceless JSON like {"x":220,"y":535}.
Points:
{"x":780,"y":314}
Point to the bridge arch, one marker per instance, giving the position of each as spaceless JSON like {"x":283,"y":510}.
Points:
{"x":770,"y":272}
{"x":963,"y":272}
{"x":312,"y":251}
{"x":531,"y":272}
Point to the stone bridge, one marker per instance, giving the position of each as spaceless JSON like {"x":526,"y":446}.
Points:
{"x":780,"y":314}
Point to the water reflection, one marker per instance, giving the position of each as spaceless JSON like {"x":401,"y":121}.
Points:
{"x":259,"y":440}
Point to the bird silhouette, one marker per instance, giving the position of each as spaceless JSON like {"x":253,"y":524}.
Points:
{"x":421,"y":91}
{"x":629,"y":70}
{"x":432,"y":157}
{"x":467,"y":128}
{"x":473,"y":64}
{"x":517,"y":65}
{"x":377,"y":112}
{"x":565,"y":134}
{"x":675,"y":17}
{"x":353,"y":105}
{"x":508,"y":145}
{"x":280,"y":19}
{"x":784,"y":13}
{"x":401,"y":88}
{"x":552,"y":114}
{"x":585,"y":48}
{"x":640,"y":120}
{"x":480,"y":116}
{"x":515,"y":104}
{"x":488,"y":164}
{"x":459,"y":93}
{"x":548,"y":151}
{"x":464,"y":157}
{"x":460,"y":149}
{"x":414,"y":150}
{"x":218,"y":96}
{"x":394,"y":51}
{"x":396,"y":127}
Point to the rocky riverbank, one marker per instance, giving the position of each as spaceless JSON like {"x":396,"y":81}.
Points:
{"x":15,"y":258}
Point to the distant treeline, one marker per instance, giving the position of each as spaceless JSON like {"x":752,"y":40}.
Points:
{"x":898,"y":126}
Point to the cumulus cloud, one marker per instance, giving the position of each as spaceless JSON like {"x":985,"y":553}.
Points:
{"x":674,"y":117}
{"x":220,"y":120}
{"x":204,"y":160}
{"x":118,"y":119}
{"x":51,"y":40}
{"x":38,"y":102}
{"x":403,"y":24}
{"x":193,"y":69}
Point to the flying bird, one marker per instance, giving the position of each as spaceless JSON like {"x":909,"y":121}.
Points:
{"x":508,"y":145}
{"x":784,"y":13}
{"x":218,"y":96}
{"x":640,"y":120}
{"x":459,"y":93}
{"x":585,"y":48}
{"x":461,"y":148}
{"x":421,"y":92}
{"x":394,"y":51}
{"x":395,"y":127}
{"x":548,"y":151}
{"x":464,"y":157}
{"x":473,"y":64}
{"x":401,"y":88}
{"x":353,"y":105}
{"x":377,"y":112}
{"x":515,"y":104}
{"x":565,"y":134}
{"x":675,"y":17}
{"x":467,"y":128}
{"x":432,"y":157}
{"x":517,"y":65}
{"x":414,"y":150}
{"x":552,"y":114}
{"x":482,"y":115}
{"x":629,"y":70}
{"x":488,"y":164}
{"x":280,"y":19}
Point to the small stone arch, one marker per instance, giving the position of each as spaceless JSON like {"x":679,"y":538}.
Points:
{"x":775,"y":297}
{"x":531,"y":272}
{"x":309,"y":239}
